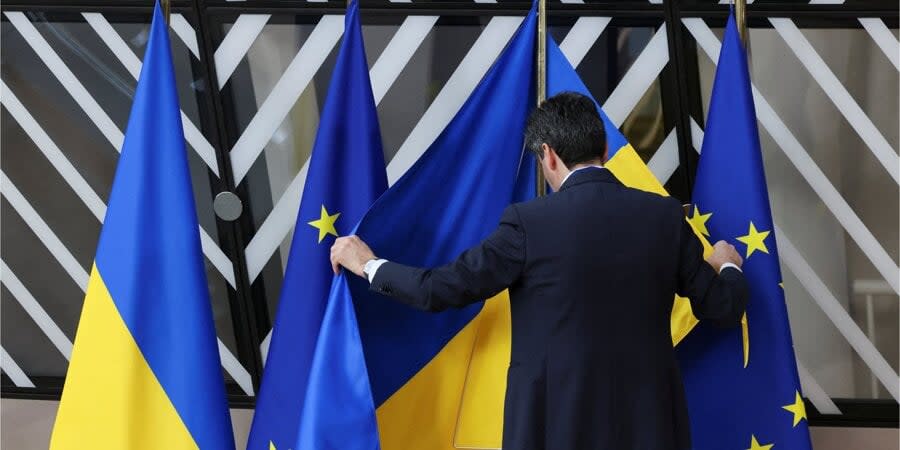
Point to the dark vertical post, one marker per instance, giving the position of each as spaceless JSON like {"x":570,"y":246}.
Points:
{"x":249,"y":312}
{"x":541,"y":65}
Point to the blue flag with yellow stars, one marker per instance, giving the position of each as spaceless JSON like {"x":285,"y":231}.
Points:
{"x":346,"y":175}
{"x":418,"y":362}
{"x":742,"y":385}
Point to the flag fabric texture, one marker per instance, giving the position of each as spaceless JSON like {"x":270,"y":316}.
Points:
{"x":752,"y":401}
{"x":449,"y":200}
{"x":145,"y":370}
{"x":346,"y":175}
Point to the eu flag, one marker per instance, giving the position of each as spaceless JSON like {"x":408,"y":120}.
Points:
{"x":145,"y":370}
{"x":346,"y":174}
{"x":742,"y":385}
{"x":417,"y":362}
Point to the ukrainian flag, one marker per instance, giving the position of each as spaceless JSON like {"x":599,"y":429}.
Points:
{"x":145,"y":370}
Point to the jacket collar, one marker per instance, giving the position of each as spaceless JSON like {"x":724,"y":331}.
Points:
{"x":590,"y":175}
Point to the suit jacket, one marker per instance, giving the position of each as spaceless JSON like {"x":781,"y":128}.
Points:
{"x":591,"y":271}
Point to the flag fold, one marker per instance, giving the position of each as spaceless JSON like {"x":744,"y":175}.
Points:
{"x":346,"y":175}
{"x":449,"y":200}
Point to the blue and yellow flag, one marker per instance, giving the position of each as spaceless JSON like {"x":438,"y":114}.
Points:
{"x":623,"y":162}
{"x":742,"y":388}
{"x":339,"y":411}
{"x":480,"y":422}
{"x":346,"y":175}
{"x":145,"y":370}
{"x":450,"y":199}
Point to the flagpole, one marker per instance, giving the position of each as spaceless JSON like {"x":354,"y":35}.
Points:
{"x":541,"y":188}
{"x":166,"y":6}
{"x":740,"y":13}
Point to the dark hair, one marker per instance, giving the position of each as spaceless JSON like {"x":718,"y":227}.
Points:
{"x":570,"y":124}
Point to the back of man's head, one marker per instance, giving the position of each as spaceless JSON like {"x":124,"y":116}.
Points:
{"x":569,"y":124}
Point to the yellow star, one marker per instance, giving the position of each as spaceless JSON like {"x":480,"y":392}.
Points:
{"x":272,"y":446}
{"x":798,"y":408}
{"x":325,"y":224}
{"x":755,"y":240}
{"x":699,"y":221}
{"x":754,"y":444}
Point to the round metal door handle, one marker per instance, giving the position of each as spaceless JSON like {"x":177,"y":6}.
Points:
{"x":228,"y":206}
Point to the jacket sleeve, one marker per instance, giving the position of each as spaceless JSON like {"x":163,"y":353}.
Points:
{"x":719,"y":298}
{"x":478,"y":274}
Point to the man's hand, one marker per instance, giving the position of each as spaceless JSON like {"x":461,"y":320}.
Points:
{"x":352,"y":253}
{"x":723,"y":252}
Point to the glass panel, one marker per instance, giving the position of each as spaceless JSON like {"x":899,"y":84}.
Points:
{"x":826,"y":3}
{"x":862,"y":181}
{"x":429,"y":67}
{"x":27,"y":345}
{"x":519,"y":4}
{"x":604,"y":67}
{"x":45,"y":98}
{"x":432,"y":63}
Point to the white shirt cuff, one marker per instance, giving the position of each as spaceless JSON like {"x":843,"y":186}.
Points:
{"x":371,"y":268}
{"x":727,"y":265}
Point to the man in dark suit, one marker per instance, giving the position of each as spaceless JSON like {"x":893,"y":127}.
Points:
{"x":591,"y":270}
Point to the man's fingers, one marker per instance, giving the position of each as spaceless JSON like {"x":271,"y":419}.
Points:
{"x":335,"y":255}
{"x":350,"y":252}
{"x":733,"y":254}
{"x":335,"y":266}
